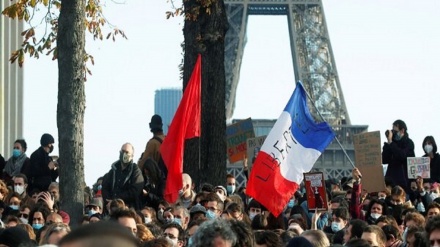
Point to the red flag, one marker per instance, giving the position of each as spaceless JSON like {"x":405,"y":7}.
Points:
{"x":185,"y":125}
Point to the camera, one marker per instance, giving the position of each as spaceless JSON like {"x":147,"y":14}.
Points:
{"x":388,"y":132}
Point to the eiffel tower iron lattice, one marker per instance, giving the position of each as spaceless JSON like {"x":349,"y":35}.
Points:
{"x":312,"y":55}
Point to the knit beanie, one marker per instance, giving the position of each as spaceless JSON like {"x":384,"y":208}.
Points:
{"x":46,"y":139}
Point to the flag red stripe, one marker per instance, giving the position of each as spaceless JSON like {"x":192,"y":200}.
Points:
{"x":268,"y":186}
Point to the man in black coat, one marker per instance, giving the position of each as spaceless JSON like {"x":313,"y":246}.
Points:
{"x":43,"y":170}
{"x":124,"y":180}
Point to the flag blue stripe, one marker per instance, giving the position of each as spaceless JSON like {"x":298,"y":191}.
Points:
{"x":308,"y":133}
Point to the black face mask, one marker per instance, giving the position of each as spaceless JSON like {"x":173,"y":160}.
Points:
{"x":51,"y":149}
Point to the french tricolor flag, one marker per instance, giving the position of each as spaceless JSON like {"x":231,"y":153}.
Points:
{"x":291,"y":149}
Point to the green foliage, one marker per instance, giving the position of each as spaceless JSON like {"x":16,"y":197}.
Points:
{"x":36,"y":44}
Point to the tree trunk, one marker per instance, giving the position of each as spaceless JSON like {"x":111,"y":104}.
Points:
{"x":206,"y":35}
{"x":71,"y":107}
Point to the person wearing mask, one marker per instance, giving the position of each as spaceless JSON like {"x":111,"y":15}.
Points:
{"x":254,"y":209}
{"x":375,"y":209}
{"x":395,"y":151}
{"x":430,"y":148}
{"x":214,"y":206}
{"x":19,"y":163}
{"x":124,"y":180}
{"x":174,"y":233}
{"x":186,"y":195}
{"x":94,"y":207}
{"x":20,"y":186}
{"x":43,"y":169}
{"x":37,"y":217}
{"x":230,"y":184}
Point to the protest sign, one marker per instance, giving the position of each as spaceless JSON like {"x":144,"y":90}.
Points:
{"x":236,"y":137}
{"x":315,"y":191}
{"x":368,"y":158}
{"x":418,"y":166}
{"x":253,"y":147}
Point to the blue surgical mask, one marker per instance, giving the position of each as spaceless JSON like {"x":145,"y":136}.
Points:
{"x":37,"y":226}
{"x":210,"y":215}
{"x":336,"y":227}
{"x":91,"y":212}
{"x":190,"y":241}
{"x":16,"y":153}
{"x":99,"y":187}
{"x":178,"y":221}
{"x":252,"y":216}
{"x":291,"y":203}
{"x":230,"y":189}
{"x":14,"y":207}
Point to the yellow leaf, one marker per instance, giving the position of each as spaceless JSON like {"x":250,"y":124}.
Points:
{"x":46,"y":2}
{"x":33,"y":3}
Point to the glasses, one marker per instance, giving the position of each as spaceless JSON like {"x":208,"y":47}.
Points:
{"x":171,"y":236}
{"x":24,"y":216}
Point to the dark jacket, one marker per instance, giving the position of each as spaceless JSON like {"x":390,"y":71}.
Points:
{"x":435,"y":167}
{"x":124,"y":184}
{"x":394,"y":154}
{"x":40,"y":174}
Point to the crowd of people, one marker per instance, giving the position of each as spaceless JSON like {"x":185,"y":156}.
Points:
{"x":126,"y":206}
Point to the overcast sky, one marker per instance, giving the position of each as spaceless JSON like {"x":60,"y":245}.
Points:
{"x":386,"y":53}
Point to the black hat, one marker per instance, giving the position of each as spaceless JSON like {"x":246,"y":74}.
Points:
{"x":14,"y":236}
{"x":156,"y":122}
{"x":46,"y":139}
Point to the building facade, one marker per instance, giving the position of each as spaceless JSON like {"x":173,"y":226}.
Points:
{"x":11,"y":84}
{"x":166,"y":102}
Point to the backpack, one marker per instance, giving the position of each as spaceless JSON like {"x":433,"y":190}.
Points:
{"x":160,"y":163}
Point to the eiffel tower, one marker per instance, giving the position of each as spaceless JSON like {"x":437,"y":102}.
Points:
{"x":313,"y":64}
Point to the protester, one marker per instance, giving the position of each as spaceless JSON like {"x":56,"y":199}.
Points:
{"x":18,"y":163}
{"x":153,"y":145}
{"x":124,"y":180}
{"x":395,"y":151}
{"x":43,"y":169}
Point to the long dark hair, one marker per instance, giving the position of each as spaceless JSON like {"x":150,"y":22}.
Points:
{"x":152,"y":172}
{"x":432,"y":141}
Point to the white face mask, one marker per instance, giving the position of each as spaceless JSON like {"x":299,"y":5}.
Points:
{"x":24,"y":221}
{"x":147,"y":220}
{"x":428,"y":148}
{"x":375,"y":216}
{"x":19,"y":189}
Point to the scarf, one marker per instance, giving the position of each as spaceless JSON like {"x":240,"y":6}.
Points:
{"x":14,"y":165}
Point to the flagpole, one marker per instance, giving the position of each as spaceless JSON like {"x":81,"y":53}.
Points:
{"x":322,"y":118}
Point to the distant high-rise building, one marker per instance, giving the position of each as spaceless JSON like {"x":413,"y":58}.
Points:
{"x":11,"y":84}
{"x":166,"y":102}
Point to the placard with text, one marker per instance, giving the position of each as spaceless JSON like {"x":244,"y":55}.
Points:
{"x":315,"y":191}
{"x":236,"y":137}
{"x":418,"y":166}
